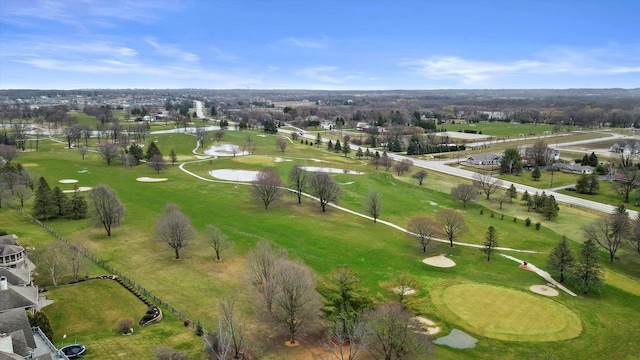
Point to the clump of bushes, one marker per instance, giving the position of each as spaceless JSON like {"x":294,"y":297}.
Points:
{"x":538,"y":224}
{"x":124,"y":325}
{"x":527,"y":222}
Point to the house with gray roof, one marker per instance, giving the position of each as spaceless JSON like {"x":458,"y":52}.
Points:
{"x":484,"y":159}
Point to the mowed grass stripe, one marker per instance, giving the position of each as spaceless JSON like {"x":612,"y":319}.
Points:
{"x":507,"y":314}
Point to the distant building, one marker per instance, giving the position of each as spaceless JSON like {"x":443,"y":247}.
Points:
{"x":484,"y":159}
{"x":625,"y":147}
{"x":573,"y":168}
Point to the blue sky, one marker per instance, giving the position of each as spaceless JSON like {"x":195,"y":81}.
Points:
{"x":401,"y":44}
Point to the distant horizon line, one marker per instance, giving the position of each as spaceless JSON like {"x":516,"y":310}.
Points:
{"x":308,"y":89}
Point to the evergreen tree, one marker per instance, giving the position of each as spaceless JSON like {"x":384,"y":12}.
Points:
{"x":367,"y":154}
{"x":173,"y":157}
{"x":587,"y":269}
{"x":359,"y":154}
{"x":511,"y":162}
{"x":151,"y":151}
{"x":550,"y":207}
{"x":318,"y":140}
{"x":77,"y":207}
{"x":41,"y":320}
{"x":536,"y":174}
{"x":582,"y":185}
{"x":593,"y":159}
{"x":60,"y":201}
{"x":490,"y":242}
{"x":594,"y":183}
{"x":136,"y":153}
{"x":43,"y":206}
{"x":585,"y":160}
{"x":512,"y":193}
{"x":561,"y":258}
{"x":337,"y":147}
{"x":346,"y":148}
{"x":526,"y":200}
{"x":330,"y":145}
{"x":342,"y":299}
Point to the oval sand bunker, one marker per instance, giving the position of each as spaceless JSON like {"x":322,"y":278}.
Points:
{"x":150,"y":179}
{"x":68,"y":181}
{"x":439,"y":261}
{"x":544,"y":290}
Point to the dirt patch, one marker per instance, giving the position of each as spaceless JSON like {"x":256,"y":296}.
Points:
{"x":150,"y":179}
{"x":544,"y":290}
{"x":439,"y":261}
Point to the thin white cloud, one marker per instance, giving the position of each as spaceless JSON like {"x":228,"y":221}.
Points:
{"x":271,"y":68}
{"x":80,"y":13}
{"x":325,"y":73}
{"x":474,"y":72}
{"x":171,"y":50}
{"x":321,"y":43}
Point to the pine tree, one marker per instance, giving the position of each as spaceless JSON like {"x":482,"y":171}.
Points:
{"x":561,"y":258}
{"x":136,"y":152}
{"x":77,"y":207}
{"x":550,"y":207}
{"x":593,"y":159}
{"x":173,"y":157}
{"x":527,"y":200}
{"x":359,"y":154}
{"x":60,"y":201}
{"x":582,"y":185}
{"x":330,"y":145}
{"x":490,"y":242}
{"x":43,"y":206}
{"x":536,"y":174}
{"x":337,"y":147}
{"x":318,"y":140}
{"x":512,"y":193}
{"x":346,"y":148}
{"x":594,"y":183}
{"x":587,"y":269}
{"x":152,"y":150}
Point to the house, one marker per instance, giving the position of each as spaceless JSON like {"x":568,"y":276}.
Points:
{"x":484,"y":159}
{"x":327,"y":124}
{"x":17,"y":297}
{"x":16,"y":336}
{"x":11,"y":254}
{"x":573,"y":168}
{"x":625,"y":147}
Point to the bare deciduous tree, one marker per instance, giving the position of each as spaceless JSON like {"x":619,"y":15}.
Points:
{"x":174,"y":228}
{"x":218,"y":135}
{"x":268,"y":186}
{"x":105,"y":208}
{"x":233,"y":325}
{"x":393,"y":334}
{"x":386,"y":161}
{"x":402,"y":166}
{"x":216,"y":239}
{"x":108,"y":151}
{"x":345,"y":343}
{"x":420,"y":175}
{"x":8,"y":152}
{"x":324,"y":188}
{"x":53,"y":259}
{"x":157,"y":163}
{"x":424,"y":229}
{"x":76,"y":260}
{"x":281,"y":144}
{"x":218,"y":344}
{"x":83,"y":151}
{"x":464,"y":193}
{"x":124,"y":325}
{"x":373,"y":204}
{"x":167,"y":353}
{"x":610,"y":231}
{"x":261,"y":261}
{"x":452,"y":224}
{"x":486,"y":183}
{"x":298,"y":180}
{"x":296,"y":301}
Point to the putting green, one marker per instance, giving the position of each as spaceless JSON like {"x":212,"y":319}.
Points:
{"x":507,"y":314}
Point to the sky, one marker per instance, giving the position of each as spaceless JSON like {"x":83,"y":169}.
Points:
{"x":329,"y":45}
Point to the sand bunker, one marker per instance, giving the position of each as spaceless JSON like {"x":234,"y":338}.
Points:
{"x":331,"y":170}
{"x":457,"y":339}
{"x":68,"y":181}
{"x":150,"y":179}
{"x":404,"y":290}
{"x":428,"y":327}
{"x":544,"y":290}
{"x":433,"y":203}
{"x":225,"y":150}
{"x":81,"y":188}
{"x":439,"y":261}
{"x":279,"y":159}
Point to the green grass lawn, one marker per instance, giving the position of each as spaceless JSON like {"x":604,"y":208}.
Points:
{"x":87,"y":312}
{"x":606,"y":195}
{"x":559,"y":179}
{"x":500,"y":129}
{"x":195,"y":284}
{"x":500,"y":313}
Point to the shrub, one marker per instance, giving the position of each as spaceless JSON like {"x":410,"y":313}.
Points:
{"x":199,"y":330}
{"x":41,"y":320}
{"x":502,"y":217}
{"x":167,"y":353}
{"x":125,"y":324}
{"x":2,"y":233}
{"x":481,"y":211}
{"x":538,"y":224}
{"x":515,"y":219}
{"x":527,"y":222}
{"x":492,"y":214}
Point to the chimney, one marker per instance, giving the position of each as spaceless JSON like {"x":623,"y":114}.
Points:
{"x":3,"y":283}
